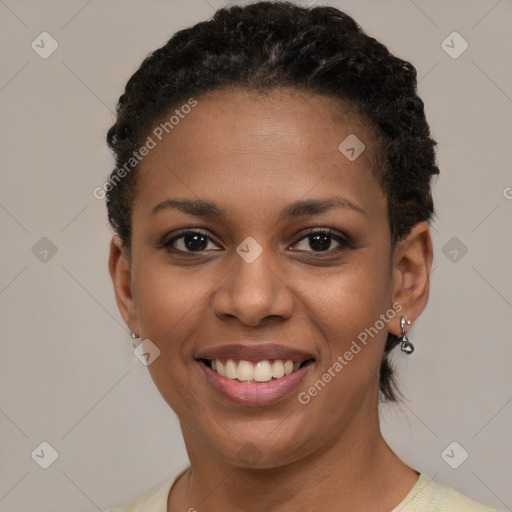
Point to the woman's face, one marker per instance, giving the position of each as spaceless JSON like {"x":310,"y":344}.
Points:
{"x":252,"y":283}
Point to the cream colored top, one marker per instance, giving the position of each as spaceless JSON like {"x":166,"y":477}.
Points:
{"x":425,"y":496}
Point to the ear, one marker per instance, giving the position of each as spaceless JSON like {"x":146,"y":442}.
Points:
{"x":412,"y":261}
{"x":120,"y":272}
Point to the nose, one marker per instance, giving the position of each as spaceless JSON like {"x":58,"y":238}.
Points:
{"x":252,"y":293}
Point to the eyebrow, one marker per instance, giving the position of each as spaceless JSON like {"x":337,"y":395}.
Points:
{"x":209,"y":209}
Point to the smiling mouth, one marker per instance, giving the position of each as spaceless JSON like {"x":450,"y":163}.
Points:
{"x":255,"y":371}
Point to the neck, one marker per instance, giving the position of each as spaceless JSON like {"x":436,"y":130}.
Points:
{"x":356,"y":471}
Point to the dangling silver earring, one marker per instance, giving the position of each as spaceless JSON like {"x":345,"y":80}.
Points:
{"x":134,"y":337}
{"x":406,"y":346}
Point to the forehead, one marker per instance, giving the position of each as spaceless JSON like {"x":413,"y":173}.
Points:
{"x":254,"y":149}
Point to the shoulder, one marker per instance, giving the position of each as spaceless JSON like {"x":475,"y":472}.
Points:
{"x":428,"y":496}
{"x":155,"y":501}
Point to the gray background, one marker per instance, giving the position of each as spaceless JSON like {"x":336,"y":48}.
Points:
{"x":68,"y":375}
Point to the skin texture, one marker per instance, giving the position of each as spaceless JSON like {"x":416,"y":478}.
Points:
{"x":253,"y":154}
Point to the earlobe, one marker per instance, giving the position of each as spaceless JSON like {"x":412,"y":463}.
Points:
{"x":411,"y":274}
{"x":120,"y":273}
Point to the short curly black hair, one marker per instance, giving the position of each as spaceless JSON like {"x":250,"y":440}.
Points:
{"x":268,"y":45}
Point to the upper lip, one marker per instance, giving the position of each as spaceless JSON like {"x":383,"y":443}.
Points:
{"x":258,"y":352}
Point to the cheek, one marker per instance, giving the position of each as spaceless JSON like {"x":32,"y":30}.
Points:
{"x":355,"y":296}
{"x":347,"y":312}
{"x":171,"y":303}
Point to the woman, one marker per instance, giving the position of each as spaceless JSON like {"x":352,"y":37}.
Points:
{"x":271,"y":201}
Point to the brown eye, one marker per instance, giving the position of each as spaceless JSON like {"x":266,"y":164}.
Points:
{"x":321,"y":241}
{"x":189,"y":241}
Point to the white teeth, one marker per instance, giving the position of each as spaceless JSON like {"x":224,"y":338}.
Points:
{"x":261,"y":371}
{"x":277,"y":369}
{"x":231,"y":370}
{"x":245,"y":371}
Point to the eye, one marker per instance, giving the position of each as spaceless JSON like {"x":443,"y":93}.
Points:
{"x":189,"y":241}
{"x":321,"y":240}
{"x":197,"y":241}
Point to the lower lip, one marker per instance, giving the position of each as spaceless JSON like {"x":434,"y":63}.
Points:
{"x":255,"y":393}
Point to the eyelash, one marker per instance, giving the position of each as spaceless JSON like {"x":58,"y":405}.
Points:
{"x":344,"y":241}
